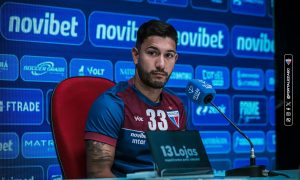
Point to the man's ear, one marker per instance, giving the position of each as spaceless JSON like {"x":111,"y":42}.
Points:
{"x":135,"y":55}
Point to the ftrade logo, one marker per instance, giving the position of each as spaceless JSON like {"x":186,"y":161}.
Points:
{"x":38,"y":145}
{"x":46,"y":24}
{"x":252,"y":42}
{"x":114,"y":30}
{"x":43,"y":69}
{"x":91,"y":67}
{"x":21,"y":106}
{"x":195,"y":37}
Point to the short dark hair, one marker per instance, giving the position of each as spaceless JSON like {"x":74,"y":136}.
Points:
{"x":155,"y":28}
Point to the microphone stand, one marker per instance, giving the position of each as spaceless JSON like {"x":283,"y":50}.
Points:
{"x":253,"y":170}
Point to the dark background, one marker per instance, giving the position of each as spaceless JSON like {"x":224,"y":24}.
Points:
{"x":287,"y":40}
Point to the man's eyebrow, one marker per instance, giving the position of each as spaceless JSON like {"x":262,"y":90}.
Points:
{"x":153,"y":47}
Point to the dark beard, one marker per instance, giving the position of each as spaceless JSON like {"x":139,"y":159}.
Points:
{"x":146,"y":77}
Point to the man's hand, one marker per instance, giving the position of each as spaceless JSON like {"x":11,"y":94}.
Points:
{"x":99,"y":159}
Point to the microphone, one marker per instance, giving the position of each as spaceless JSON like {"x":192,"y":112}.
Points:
{"x":202,"y":93}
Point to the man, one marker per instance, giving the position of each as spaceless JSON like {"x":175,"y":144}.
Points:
{"x":115,"y":139}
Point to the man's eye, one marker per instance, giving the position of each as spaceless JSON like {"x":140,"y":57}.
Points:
{"x":170,"y":55}
{"x":152,"y":53}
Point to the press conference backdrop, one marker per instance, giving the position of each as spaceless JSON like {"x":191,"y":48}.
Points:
{"x":230,"y":44}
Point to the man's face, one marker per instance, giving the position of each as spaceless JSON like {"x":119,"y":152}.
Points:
{"x":155,"y":61}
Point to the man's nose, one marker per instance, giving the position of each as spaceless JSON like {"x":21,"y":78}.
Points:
{"x":160,"y":62}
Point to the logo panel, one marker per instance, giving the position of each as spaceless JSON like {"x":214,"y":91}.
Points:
{"x":177,"y":3}
{"x":124,"y":70}
{"x":248,"y":79}
{"x":22,"y":172}
{"x":54,"y":172}
{"x":209,"y":115}
{"x":21,"y":106}
{"x":241,"y":145}
{"x":45,"y":24}
{"x":271,"y":141}
{"x":252,"y":42}
{"x":255,"y":8}
{"x":180,"y":76}
{"x":38,"y":145}
{"x":114,"y":30}
{"x":211,"y":5}
{"x":270,"y":80}
{"x":195,"y":37}
{"x":9,"y":67}
{"x":216,"y":142}
{"x":250,"y":110}
{"x":43,"y":69}
{"x":217,"y":76}
{"x":9,"y":145}
{"x":91,"y":67}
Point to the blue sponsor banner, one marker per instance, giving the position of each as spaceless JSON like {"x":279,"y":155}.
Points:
{"x":271,"y":110}
{"x":242,"y":162}
{"x":208,"y":115}
{"x":48,"y":105}
{"x":9,"y":145}
{"x":91,"y":67}
{"x":220,"y":166}
{"x":217,"y":76}
{"x":180,"y":75}
{"x":124,"y":70}
{"x":195,"y":37}
{"x":177,"y":3}
{"x":114,"y":30}
{"x":43,"y":69}
{"x":254,"y":7}
{"x":216,"y":142}
{"x":38,"y":145}
{"x":250,"y":110}
{"x":270,"y":80}
{"x":253,"y":42}
{"x":211,"y":5}
{"x":22,"y":172}
{"x":248,"y":79}
{"x":45,"y":24}
{"x":241,"y":145}
{"x":9,"y":67}
{"x":21,"y":106}
{"x":271,"y":141}
{"x":54,"y":172}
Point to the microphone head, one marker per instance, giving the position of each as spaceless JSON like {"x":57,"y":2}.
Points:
{"x":200,"y":92}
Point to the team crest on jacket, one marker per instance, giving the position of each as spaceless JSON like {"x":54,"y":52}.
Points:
{"x":174,"y":117}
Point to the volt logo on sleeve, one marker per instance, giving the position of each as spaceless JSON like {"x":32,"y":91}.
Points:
{"x":46,"y":24}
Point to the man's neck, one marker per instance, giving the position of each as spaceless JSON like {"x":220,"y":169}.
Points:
{"x":152,"y":94}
